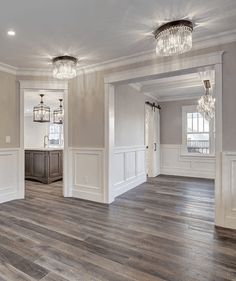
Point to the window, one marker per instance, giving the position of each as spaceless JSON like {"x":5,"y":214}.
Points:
{"x":198,"y":133}
{"x":55,"y":135}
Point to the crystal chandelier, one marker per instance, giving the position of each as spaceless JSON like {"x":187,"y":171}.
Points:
{"x":41,"y":112}
{"x":206,"y":104}
{"x":58,"y":114}
{"x":64,"y":67}
{"x":174,"y":38}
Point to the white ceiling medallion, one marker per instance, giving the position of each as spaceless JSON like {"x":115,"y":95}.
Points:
{"x":206,"y":104}
{"x":64,"y":67}
{"x":174,"y":38}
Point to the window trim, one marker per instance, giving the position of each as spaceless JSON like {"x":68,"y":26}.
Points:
{"x":184,"y":151}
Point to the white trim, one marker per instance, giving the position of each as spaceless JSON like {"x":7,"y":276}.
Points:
{"x":229,"y":188}
{"x":12,"y":173}
{"x":168,"y":68}
{"x":174,"y":163}
{"x":149,"y":95}
{"x":129,"y":164}
{"x":185,"y":96}
{"x":206,"y":42}
{"x":86,"y":173}
{"x":52,"y":86}
{"x":188,"y":109}
{"x":178,"y":66}
{"x":109,"y":142}
{"x":56,"y":85}
{"x":7,"y":68}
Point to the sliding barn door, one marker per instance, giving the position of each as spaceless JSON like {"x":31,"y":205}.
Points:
{"x":152,"y":137}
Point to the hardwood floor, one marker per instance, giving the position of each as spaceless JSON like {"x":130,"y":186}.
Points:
{"x":161,"y":230}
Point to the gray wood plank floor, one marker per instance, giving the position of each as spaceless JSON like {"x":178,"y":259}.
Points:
{"x":161,"y":230}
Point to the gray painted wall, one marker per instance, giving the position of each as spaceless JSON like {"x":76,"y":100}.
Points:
{"x":9,"y":111}
{"x":86,"y":102}
{"x":129,"y":116}
{"x":171,"y":121}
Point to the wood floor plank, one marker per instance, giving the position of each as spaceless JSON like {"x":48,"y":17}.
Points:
{"x":162,"y":230}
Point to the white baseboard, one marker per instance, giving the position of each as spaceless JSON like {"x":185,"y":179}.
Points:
{"x":9,"y":174}
{"x":173,"y":163}
{"x":127,"y":185}
{"x":86,"y":172}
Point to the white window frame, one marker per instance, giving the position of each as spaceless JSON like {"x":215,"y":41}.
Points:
{"x":61,"y":140}
{"x":184,"y":150}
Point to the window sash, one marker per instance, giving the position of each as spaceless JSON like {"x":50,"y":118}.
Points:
{"x":208,"y":129}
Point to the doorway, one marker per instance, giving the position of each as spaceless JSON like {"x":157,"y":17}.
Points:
{"x":175,"y":67}
{"x":47,"y":162}
{"x":152,"y":139}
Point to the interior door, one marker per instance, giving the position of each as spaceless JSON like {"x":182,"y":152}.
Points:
{"x":152,"y":138}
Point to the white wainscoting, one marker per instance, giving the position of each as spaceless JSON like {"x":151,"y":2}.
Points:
{"x":229,"y":188}
{"x":129,"y":168}
{"x":86,"y":173}
{"x":174,"y":163}
{"x":9,"y":174}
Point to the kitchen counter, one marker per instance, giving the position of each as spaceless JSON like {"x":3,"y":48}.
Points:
{"x":44,"y":164}
{"x":45,"y":149}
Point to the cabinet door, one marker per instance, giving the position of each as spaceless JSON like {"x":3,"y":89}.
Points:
{"x":39,"y":164}
{"x":55,"y":164}
{"x":28,"y":163}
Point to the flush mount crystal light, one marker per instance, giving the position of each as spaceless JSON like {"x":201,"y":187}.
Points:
{"x":64,"y":67}
{"x":174,"y":38}
{"x":206,"y":104}
{"x":58,"y":114}
{"x":41,"y":112}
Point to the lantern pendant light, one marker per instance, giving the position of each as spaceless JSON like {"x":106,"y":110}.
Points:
{"x":58,"y":114}
{"x":41,"y":112}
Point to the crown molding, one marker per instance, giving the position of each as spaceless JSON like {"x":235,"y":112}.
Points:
{"x":150,"y":95}
{"x":186,"y":96}
{"x":209,"y":41}
{"x":7,"y":68}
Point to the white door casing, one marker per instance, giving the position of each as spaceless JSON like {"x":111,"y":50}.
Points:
{"x":47,"y":86}
{"x":174,"y":67}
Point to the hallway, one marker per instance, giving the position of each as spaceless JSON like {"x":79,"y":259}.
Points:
{"x":161,"y":230}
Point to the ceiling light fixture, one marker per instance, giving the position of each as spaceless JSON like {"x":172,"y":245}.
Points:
{"x":64,"y":67}
{"x":174,"y":38}
{"x":58,"y":114}
{"x":206,"y":104}
{"x":41,"y":112}
{"x":11,"y":32}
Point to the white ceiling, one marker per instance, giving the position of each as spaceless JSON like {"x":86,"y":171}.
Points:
{"x":97,"y":31}
{"x":32,"y":99}
{"x":179,"y":87}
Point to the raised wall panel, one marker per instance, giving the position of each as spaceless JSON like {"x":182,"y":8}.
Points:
{"x":119,"y":169}
{"x":174,"y":163}
{"x":87,"y":174}
{"x":140,"y":162}
{"x":9,"y":177}
{"x":130,"y":166}
{"x":229,"y":188}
